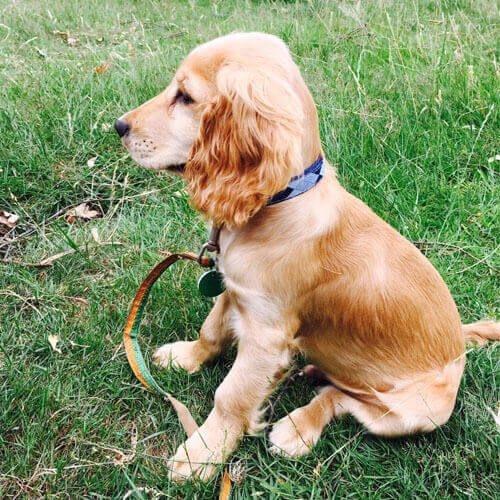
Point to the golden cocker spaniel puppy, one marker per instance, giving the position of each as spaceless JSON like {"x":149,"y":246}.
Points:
{"x":315,"y":271}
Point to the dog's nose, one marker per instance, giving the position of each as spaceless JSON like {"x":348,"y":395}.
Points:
{"x":122,"y":127}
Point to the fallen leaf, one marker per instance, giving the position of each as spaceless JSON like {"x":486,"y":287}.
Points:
{"x":8,"y":219}
{"x":317,"y":470}
{"x":61,"y":34}
{"x":102,"y":68}
{"x":85,"y":212}
{"x":82,"y":211}
{"x":72,"y":41}
{"x":91,"y":161}
{"x":237,"y":471}
{"x":53,"y":340}
{"x":50,"y":260}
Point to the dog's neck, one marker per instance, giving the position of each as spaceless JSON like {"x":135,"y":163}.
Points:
{"x":297,"y":186}
{"x":300,"y":184}
{"x":316,"y":209}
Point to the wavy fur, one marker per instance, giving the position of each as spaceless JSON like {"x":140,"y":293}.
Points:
{"x":248,"y":146}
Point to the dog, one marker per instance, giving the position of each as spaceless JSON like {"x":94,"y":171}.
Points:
{"x":315,"y":272}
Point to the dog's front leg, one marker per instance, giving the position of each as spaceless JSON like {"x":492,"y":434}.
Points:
{"x":190,"y":355}
{"x":263,"y":353}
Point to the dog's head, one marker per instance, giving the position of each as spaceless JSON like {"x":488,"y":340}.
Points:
{"x":233,"y":121}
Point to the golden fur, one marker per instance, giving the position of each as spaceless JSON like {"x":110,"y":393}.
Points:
{"x":319,"y":274}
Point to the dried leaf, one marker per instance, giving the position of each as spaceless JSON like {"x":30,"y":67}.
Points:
{"x":50,"y":260}
{"x":82,"y":211}
{"x":102,"y":68}
{"x":8,"y":219}
{"x":72,"y":41}
{"x":317,"y":470}
{"x":91,"y":161}
{"x":61,"y":34}
{"x":237,"y":471}
{"x":53,"y":340}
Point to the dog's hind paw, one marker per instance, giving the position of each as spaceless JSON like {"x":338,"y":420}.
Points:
{"x":292,"y":437}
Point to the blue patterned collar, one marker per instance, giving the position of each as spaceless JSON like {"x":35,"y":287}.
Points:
{"x":301,"y":183}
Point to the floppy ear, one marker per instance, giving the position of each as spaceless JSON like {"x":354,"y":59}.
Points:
{"x":248,"y":147}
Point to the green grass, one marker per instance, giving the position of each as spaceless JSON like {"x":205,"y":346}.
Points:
{"x":409,"y":107}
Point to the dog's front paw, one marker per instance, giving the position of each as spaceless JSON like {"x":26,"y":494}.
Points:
{"x":194,"y":459}
{"x":293,"y":435}
{"x":180,"y":354}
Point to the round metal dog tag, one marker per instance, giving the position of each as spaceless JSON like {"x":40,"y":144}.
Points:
{"x":211,"y":283}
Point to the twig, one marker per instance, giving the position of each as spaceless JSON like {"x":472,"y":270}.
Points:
{"x":481,"y":261}
{"x":25,"y":300}
{"x":33,"y":230}
{"x":62,"y":211}
{"x":48,"y":261}
{"x":481,"y":128}
{"x":422,"y":244}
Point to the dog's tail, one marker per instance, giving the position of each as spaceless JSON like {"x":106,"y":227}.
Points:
{"x":481,"y":332}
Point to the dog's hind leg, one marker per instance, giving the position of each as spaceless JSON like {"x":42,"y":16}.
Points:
{"x":295,"y":434}
{"x":190,"y":355}
{"x":416,"y":406}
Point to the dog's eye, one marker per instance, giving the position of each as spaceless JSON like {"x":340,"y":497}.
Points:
{"x":183,"y":98}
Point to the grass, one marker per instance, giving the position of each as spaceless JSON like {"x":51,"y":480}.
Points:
{"x":409,"y":106}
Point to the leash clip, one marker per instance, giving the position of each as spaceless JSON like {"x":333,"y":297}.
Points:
{"x":212,"y":245}
{"x":202,"y":259}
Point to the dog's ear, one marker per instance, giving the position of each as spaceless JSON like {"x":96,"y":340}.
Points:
{"x":249,"y":145}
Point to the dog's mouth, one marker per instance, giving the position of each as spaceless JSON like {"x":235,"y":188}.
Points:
{"x":177,"y":169}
